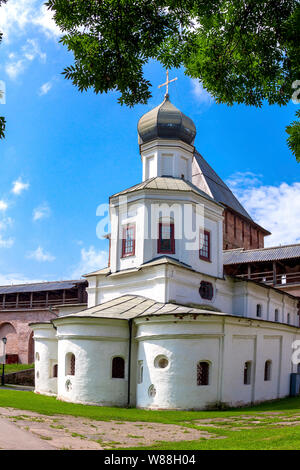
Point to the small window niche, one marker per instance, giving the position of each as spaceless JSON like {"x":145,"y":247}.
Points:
{"x":118,"y":368}
{"x":267,"y":373}
{"x":258,"y":310}
{"x":161,"y":362}
{"x":247,"y":372}
{"x":140,"y":372}
{"x":203,"y":373}
{"x":70,"y":364}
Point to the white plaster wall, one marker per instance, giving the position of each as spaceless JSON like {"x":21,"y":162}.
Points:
{"x":94,"y":347}
{"x":175,"y":150}
{"x":184,"y":343}
{"x":226,"y":342}
{"x":45,"y":344}
{"x":146,"y":209}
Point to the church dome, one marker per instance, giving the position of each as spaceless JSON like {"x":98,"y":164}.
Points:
{"x":166,"y":122}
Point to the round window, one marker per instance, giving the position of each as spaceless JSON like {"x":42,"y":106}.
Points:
{"x":161,"y":362}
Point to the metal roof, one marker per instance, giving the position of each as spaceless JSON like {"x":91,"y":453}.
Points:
{"x":40,"y":286}
{"x":275,"y":253}
{"x":218,"y":189}
{"x":153,"y":262}
{"x":133,"y":306}
{"x":165,"y":121}
{"x":166,"y":183}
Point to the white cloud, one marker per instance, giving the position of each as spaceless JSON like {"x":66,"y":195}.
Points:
{"x":5,"y":223}
{"x":41,"y":212}
{"x":3,"y":205}
{"x":91,"y":260}
{"x":18,"y":62}
{"x":15,"y":68}
{"x":45,"y":88}
{"x":6,"y":243}
{"x":18,"y":15}
{"x":31,"y":50}
{"x":44,"y":20}
{"x":201,"y":95}
{"x":275,"y":208}
{"x":40,"y":255}
{"x":16,"y":278}
{"x":19,"y":186}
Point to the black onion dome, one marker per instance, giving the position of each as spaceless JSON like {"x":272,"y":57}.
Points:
{"x":166,"y":122}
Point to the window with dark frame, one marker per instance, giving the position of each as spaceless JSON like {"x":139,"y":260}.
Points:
{"x":72,"y":365}
{"x":267,"y":374}
{"x":202,"y":373}
{"x":247,"y":373}
{"x":128,"y":242}
{"x":118,"y":368}
{"x":166,"y":240}
{"x":204,"y":252}
{"x":258,"y":310}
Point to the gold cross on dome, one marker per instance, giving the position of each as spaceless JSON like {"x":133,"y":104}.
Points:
{"x":166,"y":84}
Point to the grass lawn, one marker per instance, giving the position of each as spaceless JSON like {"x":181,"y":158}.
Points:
{"x":248,"y":428}
{"x":16,"y":367}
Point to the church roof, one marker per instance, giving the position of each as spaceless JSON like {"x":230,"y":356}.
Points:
{"x":164,"y":259}
{"x":133,"y":306}
{"x":166,"y":183}
{"x":273,"y":253}
{"x":216,"y":187}
{"x":166,"y":122}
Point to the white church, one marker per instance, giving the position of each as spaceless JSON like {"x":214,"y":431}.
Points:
{"x":164,"y":327}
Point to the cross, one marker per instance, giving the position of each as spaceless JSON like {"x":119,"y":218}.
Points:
{"x":167,"y":83}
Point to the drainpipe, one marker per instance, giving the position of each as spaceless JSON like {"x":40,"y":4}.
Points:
{"x":129,"y":360}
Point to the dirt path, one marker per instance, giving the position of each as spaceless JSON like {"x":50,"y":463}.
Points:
{"x":14,"y":438}
{"x":69,"y":432}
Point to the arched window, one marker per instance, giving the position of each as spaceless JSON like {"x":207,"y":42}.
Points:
{"x":247,"y":373}
{"x":276,"y":314}
{"x":118,"y":368}
{"x":268,"y":365}
{"x":70,"y":364}
{"x":203,"y":373}
{"x":140,"y":373}
{"x":288,"y":318}
{"x":258,"y":310}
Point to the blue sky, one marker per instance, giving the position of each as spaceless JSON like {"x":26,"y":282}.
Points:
{"x":66,"y":152}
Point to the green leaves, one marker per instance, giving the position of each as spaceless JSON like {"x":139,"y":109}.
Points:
{"x":243,"y":51}
{"x":2,"y":127}
{"x":293,"y":130}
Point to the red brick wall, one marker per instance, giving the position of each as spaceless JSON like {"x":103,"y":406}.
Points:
{"x":238,"y":233}
{"x":14,"y":325}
